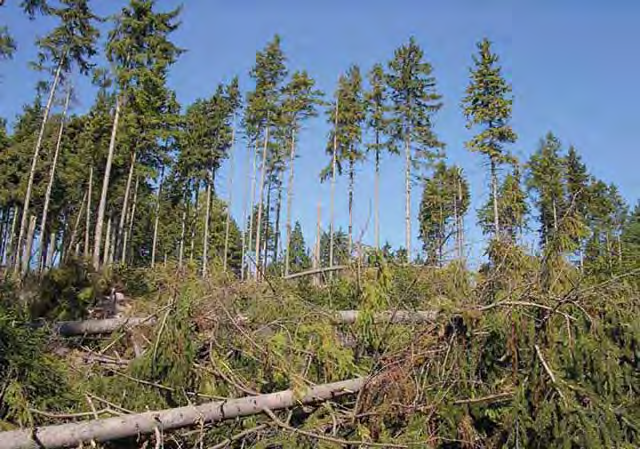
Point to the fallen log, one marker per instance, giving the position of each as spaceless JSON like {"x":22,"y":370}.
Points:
{"x":108,"y":429}
{"x":315,"y":271}
{"x":109,"y":325}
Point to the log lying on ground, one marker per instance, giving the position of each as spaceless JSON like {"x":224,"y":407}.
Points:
{"x":315,"y":271}
{"x":109,"y":325}
{"x":108,"y":429}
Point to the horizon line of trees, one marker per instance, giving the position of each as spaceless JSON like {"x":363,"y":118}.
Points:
{"x":133,"y":180}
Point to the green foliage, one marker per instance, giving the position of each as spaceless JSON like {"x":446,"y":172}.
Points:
{"x":7,"y":44}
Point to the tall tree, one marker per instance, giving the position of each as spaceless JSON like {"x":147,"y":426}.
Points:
{"x":71,"y":43}
{"x":377,"y":106}
{"x":487,"y":106}
{"x":299,"y":104}
{"x":414,"y":102}
{"x":347,"y":135}
{"x":140,"y":49}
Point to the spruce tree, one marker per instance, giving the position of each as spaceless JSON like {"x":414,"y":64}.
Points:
{"x":414,"y":103}
{"x":487,"y":106}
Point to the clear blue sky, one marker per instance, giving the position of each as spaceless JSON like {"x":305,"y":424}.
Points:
{"x":574,"y":66}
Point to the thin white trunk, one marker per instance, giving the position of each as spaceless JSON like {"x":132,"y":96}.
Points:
{"x":76,"y":225}
{"x":263,"y":171}
{"x":228,"y":218}
{"x":105,"y":187}
{"x":34,"y":164}
{"x":107,"y":243}
{"x":52,"y":175}
{"x":205,"y":242}
{"x":407,"y":206}
{"x":129,"y":234}
{"x":87,"y":228}
{"x":253,"y":199}
{"x":376,"y":197}
{"x":125,"y":202}
{"x":8,"y":250}
{"x":494,"y":193}
{"x":333,"y":181}
{"x":107,"y":429}
{"x":292,"y":158}
{"x":155,"y":222}
{"x":351,"y":187}
{"x":182,"y":233}
{"x":29,"y":245}
{"x":48,"y":263}
{"x":194,"y":223}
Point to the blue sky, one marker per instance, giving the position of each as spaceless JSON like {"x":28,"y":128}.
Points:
{"x":574,"y":66}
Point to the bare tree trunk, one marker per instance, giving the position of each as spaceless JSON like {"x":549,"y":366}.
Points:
{"x":128,"y":235}
{"x":245,"y":202}
{"x":8,"y":250}
{"x":87,"y":229}
{"x":125,"y":202}
{"x":52,"y":246}
{"x":253,"y":200}
{"x":376,"y":195}
{"x":228,"y":218}
{"x":76,"y":225}
{"x":333,"y":181}
{"x":460,"y":222}
{"x":34,"y":164}
{"x":263,"y":171}
{"x":352,"y":176}
{"x":316,"y":249}
{"x":267,"y":221}
{"x":52,"y":174}
{"x":107,"y":429}
{"x":182,"y":234}
{"x":194,"y":222}
{"x":29,"y":245}
{"x":155,"y":221}
{"x":276,"y":236}
{"x":494,"y":194}
{"x":107,"y":243}
{"x":555,"y":215}
{"x":105,"y":187}
{"x":205,"y":240}
{"x":292,"y":158}
{"x":407,"y":206}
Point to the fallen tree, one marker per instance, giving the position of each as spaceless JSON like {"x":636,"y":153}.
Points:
{"x":108,"y":429}
{"x":109,"y":325}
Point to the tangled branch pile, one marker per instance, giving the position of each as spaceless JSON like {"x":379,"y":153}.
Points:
{"x":511,"y":359}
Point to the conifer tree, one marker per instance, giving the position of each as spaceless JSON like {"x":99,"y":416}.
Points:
{"x":70,"y":44}
{"x":377,"y":105}
{"x":7,"y":44}
{"x":414,"y":103}
{"x":140,"y":49}
{"x":576,"y":179}
{"x":299,"y":258}
{"x":487,"y":105}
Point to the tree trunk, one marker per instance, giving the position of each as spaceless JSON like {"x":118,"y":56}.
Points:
{"x":494,"y":194}
{"x":105,"y":187}
{"x":205,"y":239}
{"x":128,"y":235}
{"x":87,"y":228}
{"x":276,"y":236}
{"x":182,"y":234}
{"x":407,"y":205}
{"x":460,"y":221}
{"x":352,"y":176}
{"x":245,"y":224}
{"x":253,"y":200}
{"x":52,"y":174}
{"x":155,"y":221}
{"x":34,"y":164}
{"x":376,"y":195}
{"x":8,"y":251}
{"x":107,"y":243}
{"x":48,"y":263}
{"x":107,"y":429}
{"x":29,"y":245}
{"x":267,"y":221}
{"x":292,"y":156}
{"x":227,"y":224}
{"x":76,"y":225}
{"x":263,"y":171}
{"x":194,"y":222}
{"x":333,"y":181}
{"x":316,"y":250}
{"x":125,"y":202}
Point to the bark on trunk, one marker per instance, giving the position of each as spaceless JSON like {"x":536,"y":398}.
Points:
{"x":155,"y":221}
{"x":87,"y":228}
{"x":26,"y":260}
{"x":263,"y":170}
{"x":253,"y":200}
{"x":352,"y":175}
{"x":267,"y":220}
{"x":102,"y":430}
{"x":125,"y":202}
{"x":52,"y":175}
{"x":8,"y":250}
{"x":182,"y":234}
{"x":227,"y":224}
{"x":376,"y":195}
{"x":128,"y":235}
{"x":205,"y":238}
{"x":105,"y":187}
{"x":48,"y":263}
{"x":34,"y":163}
{"x":292,"y":156}
{"x":494,"y":194}
{"x":107,"y":243}
{"x":407,"y":206}
{"x":333,"y":182}
{"x":76,"y":225}
{"x":194,"y":222}
{"x":276,"y":235}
